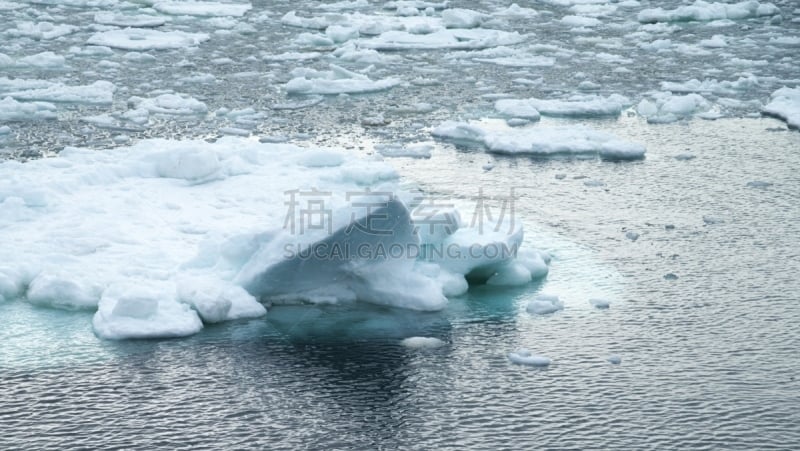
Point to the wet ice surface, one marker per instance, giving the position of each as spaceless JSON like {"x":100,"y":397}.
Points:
{"x":703,"y":301}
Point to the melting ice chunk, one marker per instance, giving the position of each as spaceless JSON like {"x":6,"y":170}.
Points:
{"x":544,"y":304}
{"x":525,"y":357}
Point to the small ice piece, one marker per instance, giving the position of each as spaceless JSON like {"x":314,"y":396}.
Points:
{"x":273,"y":139}
{"x":374,"y":121}
{"x":418,"y":150}
{"x":667,"y":107}
{"x":708,"y":219}
{"x":146,"y":39}
{"x":61,"y":291}
{"x":704,"y":11}
{"x":785,"y":104}
{"x":422,"y":343}
{"x":125,"y":20}
{"x":575,"y":140}
{"x":510,"y":275}
{"x":631,"y":235}
{"x":578,"y":105}
{"x":99,"y":92}
{"x":170,"y":104}
{"x":11,"y":110}
{"x":488,"y":166}
{"x":456,"y":38}
{"x":758,"y":184}
{"x":600,"y":303}
{"x":462,"y":18}
{"x":684,"y":157}
{"x":234,"y":131}
{"x":518,"y":108}
{"x":337,"y":80}
{"x":670,"y":276}
{"x":525,"y":357}
{"x":199,"y":8}
{"x":143,"y":312}
{"x":594,"y":183}
{"x":544,"y":304}
{"x":614,"y":359}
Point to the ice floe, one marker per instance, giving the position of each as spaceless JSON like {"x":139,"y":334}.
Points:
{"x":542,"y":141}
{"x":129,"y":20}
{"x":170,"y":104}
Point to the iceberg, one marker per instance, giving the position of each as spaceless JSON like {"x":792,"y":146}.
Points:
{"x":163,"y":237}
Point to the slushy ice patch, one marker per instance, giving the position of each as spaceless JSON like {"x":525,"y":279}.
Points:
{"x":165,"y":236}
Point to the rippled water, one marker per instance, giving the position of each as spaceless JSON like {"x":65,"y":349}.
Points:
{"x":709,"y":360}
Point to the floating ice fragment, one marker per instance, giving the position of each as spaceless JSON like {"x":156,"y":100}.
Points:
{"x":462,"y":18}
{"x":200,"y":8}
{"x":544,"y":304}
{"x":125,"y":20}
{"x":631,"y":235}
{"x":11,"y":110}
{"x":542,"y":140}
{"x":600,"y":303}
{"x":785,"y":104}
{"x":422,"y":343}
{"x":704,"y":11}
{"x":337,"y":80}
{"x":525,"y":357}
{"x":146,"y":39}
{"x":614,"y":359}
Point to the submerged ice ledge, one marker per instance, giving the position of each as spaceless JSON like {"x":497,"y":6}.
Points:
{"x":165,"y":236}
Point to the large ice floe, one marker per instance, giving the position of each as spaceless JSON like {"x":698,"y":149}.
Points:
{"x":578,"y":105}
{"x":165,"y":236}
{"x":541,"y":140}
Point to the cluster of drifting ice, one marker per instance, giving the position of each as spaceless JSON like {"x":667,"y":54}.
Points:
{"x":785,"y":104}
{"x":704,"y":11}
{"x":542,"y":140}
{"x":165,"y":236}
